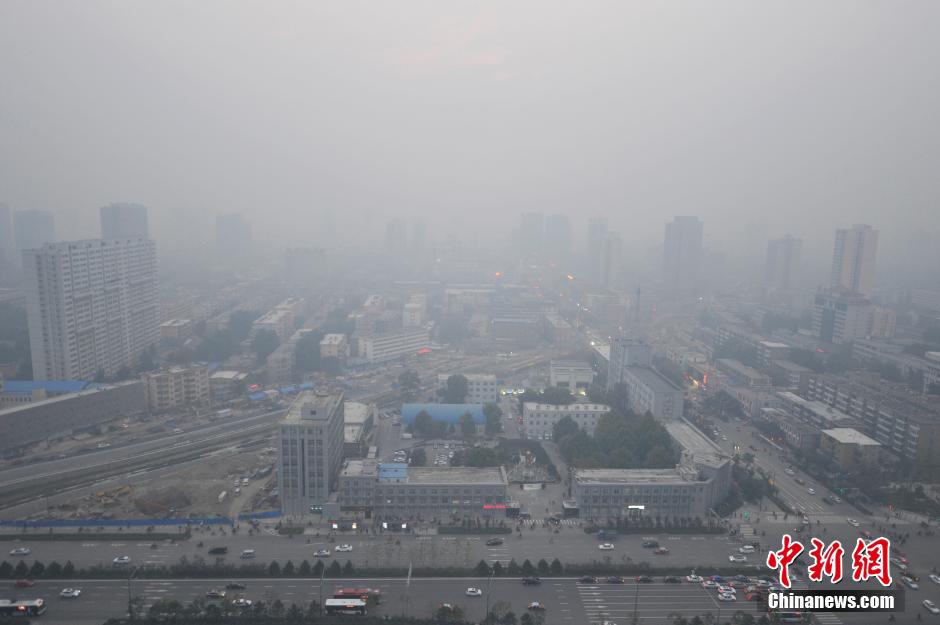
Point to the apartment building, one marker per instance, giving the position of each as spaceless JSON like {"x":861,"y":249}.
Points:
{"x":538,"y":420}
{"x":482,"y":388}
{"x":334,"y":345}
{"x":177,"y":387}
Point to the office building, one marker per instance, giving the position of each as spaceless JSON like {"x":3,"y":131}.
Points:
{"x":482,"y":388}
{"x":538,"y":420}
{"x":648,"y":391}
{"x":91,"y":305}
{"x":625,"y":353}
{"x":849,"y":449}
{"x":841,"y":317}
{"x":782,"y":267}
{"x":233,"y":238}
{"x":397,"y":491}
{"x":33,"y":229}
{"x":376,"y":348}
{"x":741,"y":374}
{"x":789,"y":375}
{"x":281,"y":362}
{"x":310,"y":451}
{"x":571,"y":374}
{"x":61,"y":415}
{"x":177,"y":388}
{"x":853,"y":259}
{"x":884,"y":322}
{"x":682,"y":253}
{"x":124,"y":221}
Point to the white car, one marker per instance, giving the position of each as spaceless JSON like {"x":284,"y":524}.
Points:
{"x":21,"y":551}
{"x":70,"y":593}
{"x":726,"y":590}
{"x":605,"y":546}
{"x":935,"y":578}
{"x":811,"y":491}
{"x":709,"y":584}
{"x":852,"y":522}
{"x":910,"y":583}
{"x":241,"y":602}
{"x":931,"y":606}
{"x":247,"y":554}
{"x":122,"y":560}
{"x":789,"y":471}
{"x":473,"y":592}
{"x":724,"y":596}
{"x":746,"y":549}
{"x":693,"y":578}
{"x":737,"y":557}
{"x":343,"y":548}
{"x":321,"y":553}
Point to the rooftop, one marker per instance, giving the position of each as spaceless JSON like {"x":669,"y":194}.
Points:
{"x":357,"y":412}
{"x":821,"y":409}
{"x":629,"y":476}
{"x":850,"y":436}
{"x":333,"y":338}
{"x":229,"y":375}
{"x":702,"y":449}
{"x":50,"y":386}
{"x":531,"y":405}
{"x":313,"y":406}
{"x":789,"y":365}
{"x":653,"y":379}
{"x":774,"y":345}
{"x":457,"y":475}
{"x":570,"y":364}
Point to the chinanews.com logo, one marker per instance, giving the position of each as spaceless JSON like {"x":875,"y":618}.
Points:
{"x":870,"y":561}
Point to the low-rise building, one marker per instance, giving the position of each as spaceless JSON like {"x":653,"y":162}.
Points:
{"x":790,"y":375}
{"x":798,"y":434}
{"x":816,"y":413}
{"x":770,"y":351}
{"x":397,"y":491}
{"x":280,"y":321}
{"x":19,"y":392}
{"x":571,"y":374}
{"x":177,"y":387}
{"x":176,"y":331}
{"x":648,"y":391}
{"x":226,"y":385}
{"x":849,"y":448}
{"x":742,"y":374}
{"x":334,"y":345}
{"x":376,"y":348}
{"x":281,"y":362}
{"x":482,"y":388}
{"x":538,"y":420}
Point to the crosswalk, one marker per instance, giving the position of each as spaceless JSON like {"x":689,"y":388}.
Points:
{"x":823,"y":618}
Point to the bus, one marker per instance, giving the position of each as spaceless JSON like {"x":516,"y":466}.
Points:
{"x":22,"y":607}
{"x":371,"y":596}
{"x":345,"y":606}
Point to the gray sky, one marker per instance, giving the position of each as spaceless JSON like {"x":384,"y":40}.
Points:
{"x":761,"y":117}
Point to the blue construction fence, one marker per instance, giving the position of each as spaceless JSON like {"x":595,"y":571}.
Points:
{"x":252,"y":516}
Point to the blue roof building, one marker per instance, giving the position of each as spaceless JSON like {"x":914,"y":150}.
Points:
{"x":448,"y":413}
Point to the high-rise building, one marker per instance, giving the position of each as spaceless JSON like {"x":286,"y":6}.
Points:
{"x":596,"y":239}
{"x":625,"y":352}
{"x":612,"y":261}
{"x":531,"y":233}
{"x":557,"y":238}
{"x":783,"y":263}
{"x":6,"y":237}
{"x":841,"y":317}
{"x":123,"y":220}
{"x":310,"y":451}
{"x":33,"y":229}
{"x":233,"y":238}
{"x":682,"y":253}
{"x":91,"y":305}
{"x":853,"y":259}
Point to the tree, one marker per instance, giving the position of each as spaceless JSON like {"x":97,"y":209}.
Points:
{"x":288,"y":569}
{"x":557,"y":396}
{"x":274,"y":569}
{"x":455,"y":389}
{"x":6,"y":569}
{"x":482,"y":569}
{"x":526,"y":619}
{"x":263,"y":343}
{"x":494,"y":418}
{"x":509,"y":618}
{"x":21,"y":570}
{"x":556,"y":567}
{"x":348,"y":568}
{"x":37,"y":569}
{"x":468,"y":427}
{"x":304,"y":569}
{"x":423,"y":425}
{"x":334,"y":570}
{"x":409,"y":383}
{"x":563,"y":428}
{"x":543,"y":567}
{"x":419,"y":457}
{"x":527,"y":568}
{"x":68,"y":570}
{"x":318,"y":568}
{"x":498,"y":569}
{"x":452,"y":614}
{"x":512,"y":568}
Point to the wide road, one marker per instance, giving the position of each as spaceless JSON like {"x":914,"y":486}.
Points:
{"x":566,"y":601}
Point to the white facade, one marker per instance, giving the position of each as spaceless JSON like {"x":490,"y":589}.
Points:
{"x":841,"y":318}
{"x":648,"y":391}
{"x":853,"y":259}
{"x":538,"y":420}
{"x":177,"y":387}
{"x":884,"y":322}
{"x":384,"y":347}
{"x":279,"y":320}
{"x":571,"y":374}
{"x":92,"y":306}
{"x":334,"y":346}
{"x":481,"y":387}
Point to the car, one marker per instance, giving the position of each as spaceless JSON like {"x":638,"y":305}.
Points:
{"x":587,"y":579}
{"x":661,"y":551}
{"x":605,"y":546}
{"x":218,"y":551}
{"x":694,"y":579}
{"x":614,"y":579}
{"x":344,"y":548}
{"x":24,"y":583}
{"x":531,"y":581}
{"x":70,"y":593}
{"x":836,"y":499}
{"x":811,"y":491}
{"x":789,"y":471}
{"x":650,"y":544}
{"x":241,"y":602}
{"x":671,"y":579}
{"x":643,"y":579}
{"x":708,"y":584}
{"x":492,"y":542}
{"x":763,"y":583}
{"x":235,"y":586}
{"x":121,"y":560}
{"x":744,"y":579}
{"x":247,"y":554}
{"x":215,"y":594}
{"x":473,"y":592}
{"x":754,"y":596}
{"x":723,"y":596}
{"x":852,"y":522}
{"x":321,"y":553}
{"x":745,"y":549}
{"x":828,"y":500}
{"x":934,"y":578}
{"x":726,"y":590}
{"x":910,"y":583}
{"x":931,"y":606}
{"x":737,"y":557}
{"x":800,"y":481}
{"x":538,"y":606}
{"x":21,"y":551}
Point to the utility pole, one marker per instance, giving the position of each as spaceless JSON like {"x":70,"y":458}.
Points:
{"x":322,"y":573}
{"x":130,"y":607}
{"x":636,"y":601}
{"x":489,"y":585}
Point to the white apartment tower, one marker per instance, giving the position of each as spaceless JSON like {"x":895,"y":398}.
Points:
{"x":92,"y":306}
{"x":310,"y":451}
{"x":853,"y":259}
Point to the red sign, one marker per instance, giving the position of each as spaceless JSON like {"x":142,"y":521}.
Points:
{"x":494,"y":506}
